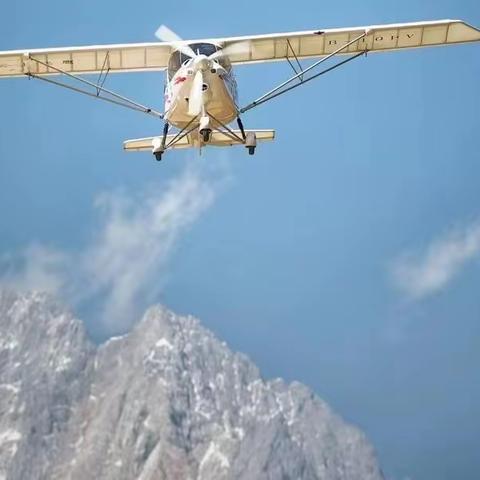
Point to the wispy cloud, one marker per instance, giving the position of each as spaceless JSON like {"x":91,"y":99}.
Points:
{"x":424,"y":273}
{"x":124,"y":265}
{"x":37,"y":266}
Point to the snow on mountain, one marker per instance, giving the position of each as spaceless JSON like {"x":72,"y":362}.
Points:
{"x":166,"y":401}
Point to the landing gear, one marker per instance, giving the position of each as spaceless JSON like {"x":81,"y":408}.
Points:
{"x":251,"y":142}
{"x":240,"y":126}
{"x":158,"y":151}
{"x":204,"y":128}
{"x":206,"y":134}
{"x":250,"y":138}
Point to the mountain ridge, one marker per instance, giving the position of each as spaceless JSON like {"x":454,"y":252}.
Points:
{"x":167,"y":400}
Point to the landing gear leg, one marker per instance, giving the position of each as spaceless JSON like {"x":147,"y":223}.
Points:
{"x":158,"y":153}
{"x":165,"y":131}
{"x":250,"y":138}
{"x":240,"y":126}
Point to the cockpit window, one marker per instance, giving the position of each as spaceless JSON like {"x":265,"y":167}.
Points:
{"x":203,"y":48}
{"x":177,"y":59}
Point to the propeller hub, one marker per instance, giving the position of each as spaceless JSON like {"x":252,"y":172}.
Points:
{"x":201,"y":62}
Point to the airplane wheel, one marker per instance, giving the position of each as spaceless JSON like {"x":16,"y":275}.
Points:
{"x":206,"y":134}
{"x":251,"y":142}
{"x":158,"y":156}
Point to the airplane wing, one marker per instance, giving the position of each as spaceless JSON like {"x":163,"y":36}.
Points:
{"x":134,"y":57}
{"x":379,"y":38}
{"x":154,"y":56}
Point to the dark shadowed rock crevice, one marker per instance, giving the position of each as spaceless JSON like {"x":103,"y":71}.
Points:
{"x":166,"y":401}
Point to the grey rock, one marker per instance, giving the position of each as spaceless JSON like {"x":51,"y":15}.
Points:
{"x":166,"y":401}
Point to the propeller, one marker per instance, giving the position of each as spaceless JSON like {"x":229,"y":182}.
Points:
{"x":166,"y":35}
{"x":236,"y":48}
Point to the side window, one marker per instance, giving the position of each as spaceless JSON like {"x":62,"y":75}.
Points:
{"x":177,"y":59}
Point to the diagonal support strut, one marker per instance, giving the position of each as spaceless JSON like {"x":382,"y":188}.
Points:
{"x":283,"y":87}
{"x":109,"y":96}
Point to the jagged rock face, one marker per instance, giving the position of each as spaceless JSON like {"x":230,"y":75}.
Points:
{"x":167,"y":401}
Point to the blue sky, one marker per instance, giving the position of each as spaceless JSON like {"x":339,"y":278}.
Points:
{"x":343,"y":255}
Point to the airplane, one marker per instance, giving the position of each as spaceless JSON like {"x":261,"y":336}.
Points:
{"x":200,"y":92}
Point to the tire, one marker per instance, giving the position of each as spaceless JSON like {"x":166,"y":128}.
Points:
{"x":251,"y":142}
{"x":206,"y":135}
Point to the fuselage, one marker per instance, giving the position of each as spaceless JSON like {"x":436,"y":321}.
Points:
{"x":219,"y":87}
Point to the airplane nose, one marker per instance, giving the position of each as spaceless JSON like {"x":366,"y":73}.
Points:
{"x":202,"y":63}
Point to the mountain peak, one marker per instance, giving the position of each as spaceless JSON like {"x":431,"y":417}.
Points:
{"x":159,"y":320}
{"x":167,"y":400}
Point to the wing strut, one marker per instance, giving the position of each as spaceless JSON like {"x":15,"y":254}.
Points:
{"x":109,"y":95}
{"x":283,"y":87}
{"x":226,"y":130}
{"x":182,"y":133}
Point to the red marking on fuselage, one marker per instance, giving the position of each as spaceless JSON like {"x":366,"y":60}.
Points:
{"x":179,"y":80}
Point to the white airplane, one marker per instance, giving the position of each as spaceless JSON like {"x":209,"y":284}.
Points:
{"x":200,"y":89}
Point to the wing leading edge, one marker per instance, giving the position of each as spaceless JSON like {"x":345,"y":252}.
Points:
{"x":263,"y":48}
{"x":379,"y":38}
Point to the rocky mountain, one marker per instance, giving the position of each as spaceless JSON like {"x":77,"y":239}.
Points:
{"x":166,"y":401}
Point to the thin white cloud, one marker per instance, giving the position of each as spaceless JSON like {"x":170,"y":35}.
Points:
{"x":124,"y":266}
{"x":37,"y":266}
{"x":421,"y":274}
